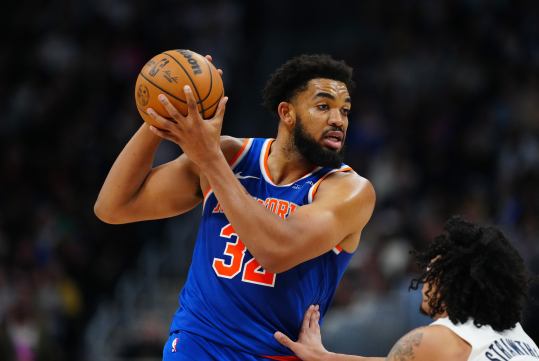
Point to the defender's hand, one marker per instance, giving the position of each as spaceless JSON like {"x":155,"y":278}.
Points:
{"x":309,"y":346}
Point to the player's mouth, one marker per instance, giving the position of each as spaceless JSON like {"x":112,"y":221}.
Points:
{"x":333,"y":139}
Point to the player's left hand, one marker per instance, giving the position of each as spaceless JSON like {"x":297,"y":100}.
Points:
{"x":210,"y":59}
{"x":309,"y":345}
{"x":199,"y":138}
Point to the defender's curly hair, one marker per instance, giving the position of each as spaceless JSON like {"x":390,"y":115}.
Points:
{"x":475,"y":273}
{"x":293,"y":76}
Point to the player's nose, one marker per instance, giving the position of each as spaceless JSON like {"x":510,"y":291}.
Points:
{"x":336,"y":119}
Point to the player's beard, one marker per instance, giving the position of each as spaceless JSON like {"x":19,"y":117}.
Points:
{"x":312,"y":151}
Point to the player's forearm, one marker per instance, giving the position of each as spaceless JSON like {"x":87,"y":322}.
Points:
{"x":127,"y":174}
{"x":263,"y":232}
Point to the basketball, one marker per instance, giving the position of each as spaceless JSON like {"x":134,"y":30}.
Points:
{"x":167,"y":73}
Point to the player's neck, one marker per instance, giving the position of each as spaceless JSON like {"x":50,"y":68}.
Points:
{"x":285,"y":164}
{"x":440,"y":315}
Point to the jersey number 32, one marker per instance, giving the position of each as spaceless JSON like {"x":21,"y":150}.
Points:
{"x":252,"y":271}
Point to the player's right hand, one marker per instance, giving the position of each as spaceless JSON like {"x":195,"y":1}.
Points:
{"x":309,"y":345}
{"x":200,"y":139}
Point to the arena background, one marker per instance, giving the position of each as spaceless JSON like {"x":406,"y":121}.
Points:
{"x":445,"y":120}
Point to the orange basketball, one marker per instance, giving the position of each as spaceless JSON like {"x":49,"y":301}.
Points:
{"x":167,"y":73}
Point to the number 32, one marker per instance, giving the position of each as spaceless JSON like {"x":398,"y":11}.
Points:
{"x":252,"y":272}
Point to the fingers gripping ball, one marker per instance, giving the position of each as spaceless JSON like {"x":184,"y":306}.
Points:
{"x":167,"y":73}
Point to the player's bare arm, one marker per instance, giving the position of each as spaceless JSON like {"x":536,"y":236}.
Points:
{"x":430,"y":343}
{"x":406,"y":349}
{"x":339,"y":212}
{"x":343,"y":204}
{"x":134,"y":191}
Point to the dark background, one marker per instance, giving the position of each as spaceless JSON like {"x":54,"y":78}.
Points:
{"x":445,"y":120}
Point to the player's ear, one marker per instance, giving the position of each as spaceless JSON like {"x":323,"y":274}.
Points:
{"x":287,"y":114}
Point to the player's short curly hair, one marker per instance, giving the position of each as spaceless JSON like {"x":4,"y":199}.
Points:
{"x":476,"y":274}
{"x":293,"y":76}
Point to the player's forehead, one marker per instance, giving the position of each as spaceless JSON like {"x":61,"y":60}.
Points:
{"x":326,"y":88}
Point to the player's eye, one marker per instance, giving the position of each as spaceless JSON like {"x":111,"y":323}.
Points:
{"x":322,"y":107}
{"x":346,"y":111}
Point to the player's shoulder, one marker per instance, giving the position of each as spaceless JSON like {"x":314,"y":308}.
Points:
{"x":429,"y":343}
{"x":450,"y":345}
{"x":346,"y":176}
{"x":347,"y":181}
{"x":415,"y":345}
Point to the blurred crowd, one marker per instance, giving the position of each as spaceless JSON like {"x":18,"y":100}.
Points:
{"x":445,"y":120}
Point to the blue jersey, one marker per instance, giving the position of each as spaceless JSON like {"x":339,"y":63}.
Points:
{"x":228,"y":298}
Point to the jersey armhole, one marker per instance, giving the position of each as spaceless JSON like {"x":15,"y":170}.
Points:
{"x":233,"y":162}
{"x":241,"y":153}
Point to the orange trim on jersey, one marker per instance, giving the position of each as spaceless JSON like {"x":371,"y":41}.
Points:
{"x":266,"y":155}
{"x":338,"y":249}
{"x":235,"y":158}
{"x":205,"y":197}
{"x":240,"y":152}
{"x":283,"y":358}
{"x":205,"y":194}
{"x":317,"y":184}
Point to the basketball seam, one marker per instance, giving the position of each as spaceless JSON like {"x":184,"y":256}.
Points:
{"x":217,"y":101}
{"x":158,"y":87}
{"x":211,"y":79}
{"x":191,"y":80}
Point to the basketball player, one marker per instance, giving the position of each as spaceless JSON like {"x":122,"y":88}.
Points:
{"x":281,"y":217}
{"x":474,"y":287}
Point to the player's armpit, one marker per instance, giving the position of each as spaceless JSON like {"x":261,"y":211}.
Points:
{"x":232,"y":148}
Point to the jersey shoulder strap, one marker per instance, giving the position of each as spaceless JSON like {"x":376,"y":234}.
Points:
{"x":322,"y":174}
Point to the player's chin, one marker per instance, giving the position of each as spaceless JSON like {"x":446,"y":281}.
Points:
{"x":332,"y":149}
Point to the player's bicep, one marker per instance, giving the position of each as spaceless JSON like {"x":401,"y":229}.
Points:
{"x":169,"y":189}
{"x":423,"y":344}
{"x":408,"y":347}
{"x":173,"y":188}
{"x":342,"y":208}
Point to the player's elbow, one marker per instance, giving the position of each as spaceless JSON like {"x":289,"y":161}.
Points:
{"x":278,"y":267}
{"x":272,"y":266}
{"x":276,"y":253}
{"x":275,"y":262}
{"x":105,"y":214}
{"x":101,"y":213}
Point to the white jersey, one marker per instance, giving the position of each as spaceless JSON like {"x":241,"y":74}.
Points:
{"x":489,"y":345}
